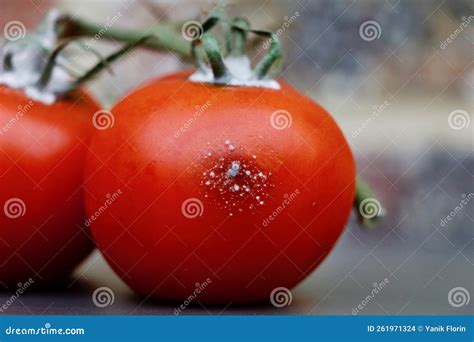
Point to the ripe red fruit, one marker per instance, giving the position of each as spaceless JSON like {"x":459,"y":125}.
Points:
{"x":249,"y":187}
{"x":42,"y":150}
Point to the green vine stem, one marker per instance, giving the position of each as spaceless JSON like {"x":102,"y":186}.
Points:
{"x":103,"y":63}
{"x":162,"y":36}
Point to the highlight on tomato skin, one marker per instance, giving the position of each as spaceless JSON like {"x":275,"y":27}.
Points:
{"x":204,"y":172}
{"x":42,"y":150}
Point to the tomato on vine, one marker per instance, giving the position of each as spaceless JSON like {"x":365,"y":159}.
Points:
{"x":45,"y":126}
{"x":225,"y":175}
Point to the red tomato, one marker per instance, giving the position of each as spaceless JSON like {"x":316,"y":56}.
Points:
{"x":238,"y":188}
{"x":42,"y":151}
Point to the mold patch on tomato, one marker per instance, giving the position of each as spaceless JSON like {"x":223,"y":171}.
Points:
{"x":233,"y":180}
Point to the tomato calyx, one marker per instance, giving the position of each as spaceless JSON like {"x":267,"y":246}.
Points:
{"x":235,"y":69}
{"x":38,"y":64}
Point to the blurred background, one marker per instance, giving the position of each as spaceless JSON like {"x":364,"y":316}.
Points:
{"x":398,"y":77}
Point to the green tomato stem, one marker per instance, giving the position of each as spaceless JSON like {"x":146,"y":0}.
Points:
{"x":211,"y":46}
{"x":163,"y":36}
{"x":273,"y":55}
{"x":238,"y":36}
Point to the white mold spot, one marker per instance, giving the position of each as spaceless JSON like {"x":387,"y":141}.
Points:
{"x":234,"y":180}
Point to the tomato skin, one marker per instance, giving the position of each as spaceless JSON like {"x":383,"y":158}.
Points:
{"x":160,"y":252}
{"x":42,"y":151}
